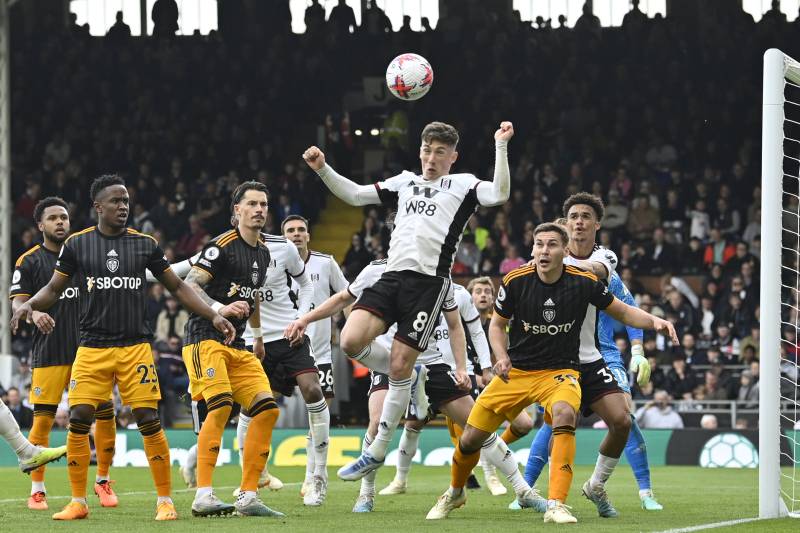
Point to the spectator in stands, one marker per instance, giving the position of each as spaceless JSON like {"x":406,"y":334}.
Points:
{"x":727,"y":343}
{"x":709,"y":421}
{"x":707,"y":317}
{"x":728,"y":220}
{"x":699,"y":221}
{"x":468,"y":255}
{"x":512,"y":260}
{"x":141,"y":220}
{"x":739,"y":317}
{"x":748,"y":389}
{"x":675,"y":304}
{"x":314,"y":18}
{"x":714,"y":389}
{"x":174,"y":225}
{"x":690,"y":352}
{"x":692,"y":257}
{"x":741,"y":256}
{"x":752,"y":341}
{"x":681,"y":379}
{"x":356,"y":258}
{"x":481,"y":234}
{"x":673,"y":216}
{"x":661,"y":256}
{"x":165,"y":18}
{"x":659,"y":414}
{"x":22,"y":379}
{"x":657,"y":376}
{"x":718,"y":250}
{"x":120,"y":31}
{"x":753,"y":229}
{"x":491,"y":256}
{"x":22,"y":414}
{"x":171,"y":321}
{"x":643,"y":219}
{"x":192,"y":241}
{"x":616,"y":215}
{"x":342,"y":18}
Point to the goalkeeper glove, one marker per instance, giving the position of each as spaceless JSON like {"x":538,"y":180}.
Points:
{"x":640,"y":365}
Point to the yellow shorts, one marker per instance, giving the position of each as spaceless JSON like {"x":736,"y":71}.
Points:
{"x":48,"y":384}
{"x":216,"y":369}
{"x":95,"y":371}
{"x":501,"y":401}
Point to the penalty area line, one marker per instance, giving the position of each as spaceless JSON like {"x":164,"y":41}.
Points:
{"x":712,"y":525}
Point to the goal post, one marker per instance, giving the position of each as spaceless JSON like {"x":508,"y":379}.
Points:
{"x":779,"y":492}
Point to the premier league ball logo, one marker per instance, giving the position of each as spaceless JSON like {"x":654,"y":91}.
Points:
{"x":112,"y":261}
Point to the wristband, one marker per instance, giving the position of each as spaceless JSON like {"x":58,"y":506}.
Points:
{"x":216,"y":306}
{"x":257,"y":333}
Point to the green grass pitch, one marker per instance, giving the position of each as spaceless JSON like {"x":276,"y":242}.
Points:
{"x":691,"y":496}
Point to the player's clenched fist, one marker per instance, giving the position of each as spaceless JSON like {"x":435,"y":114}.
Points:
{"x":314,"y":157}
{"x":505,"y":132}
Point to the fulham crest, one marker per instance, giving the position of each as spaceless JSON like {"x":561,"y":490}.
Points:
{"x":112,"y":261}
{"x":549,"y":312}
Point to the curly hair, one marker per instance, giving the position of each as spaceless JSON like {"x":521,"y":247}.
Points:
{"x":585,"y":198}
{"x":44,"y":203}
{"x":106,"y":180}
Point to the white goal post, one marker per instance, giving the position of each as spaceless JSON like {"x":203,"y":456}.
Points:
{"x":779,"y":491}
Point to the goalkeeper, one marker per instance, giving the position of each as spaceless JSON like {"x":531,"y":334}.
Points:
{"x":635,"y":448}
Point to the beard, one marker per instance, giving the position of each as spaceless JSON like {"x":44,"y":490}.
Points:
{"x":54,"y":238}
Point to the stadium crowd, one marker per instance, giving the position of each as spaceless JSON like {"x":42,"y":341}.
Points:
{"x":646,"y":116}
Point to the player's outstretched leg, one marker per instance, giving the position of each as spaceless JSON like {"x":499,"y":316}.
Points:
{"x":206,"y":503}
{"x":636,"y":454}
{"x":105,"y":436}
{"x":407,"y":448}
{"x":263,"y":414}
{"x":29,"y":455}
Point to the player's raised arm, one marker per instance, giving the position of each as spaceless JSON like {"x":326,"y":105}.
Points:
{"x":327,"y":309}
{"x":633,"y":316}
{"x":348,"y":191}
{"x":191,"y":295}
{"x":498,"y":191}
{"x":458,"y":343}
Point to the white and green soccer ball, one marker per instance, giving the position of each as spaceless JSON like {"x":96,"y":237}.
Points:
{"x":729,"y":450}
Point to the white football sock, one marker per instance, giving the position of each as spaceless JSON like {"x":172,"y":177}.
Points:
{"x":409,"y":442}
{"x":375,"y":357}
{"x":37,"y":486}
{"x":9,"y":430}
{"x":487,"y":466}
{"x":241,"y":435}
{"x":394,"y":406}
{"x":309,"y":457}
{"x":368,"y":481}
{"x":498,"y":453}
{"x":319,"y":420}
{"x":603,"y":470}
{"x":191,"y":457}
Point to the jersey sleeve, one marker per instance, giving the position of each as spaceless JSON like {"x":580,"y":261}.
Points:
{"x":212,"y":260}
{"x":505,"y":303}
{"x":607,"y":258}
{"x":22,"y":280}
{"x":388,"y":190}
{"x":337,"y":280}
{"x":600,"y":296}
{"x":366,"y":278}
{"x":67,"y":263}
{"x":295,"y":265}
{"x":157,"y":262}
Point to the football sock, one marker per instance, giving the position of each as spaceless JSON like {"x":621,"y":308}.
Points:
{"x":309,"y":457}
{"x":319,"y":420}
{"x":241,"y":434}
{"x":156,"y":448}
{"x":208,"y":442}
{"x":105,"y":437}
{"x":455,"y":431}
{"x":191,"y":457}
{"x":636,"y":454}
{"x":603,"y":470}
{"x":375,"y":357}
{"x":509,"y":435}
{"x":496,"y":450}
{"x":263,"y":416}
{"x":462,"y":466}
{"x":368,"y":481}
{"x":78,"y":456}
{"x":540,"y":450}
{"x":43,"y":417}
{"x":394,"y":406}
{"x":409,"y":441}
{"x":9,"y":430}
{"x":561,"y":463}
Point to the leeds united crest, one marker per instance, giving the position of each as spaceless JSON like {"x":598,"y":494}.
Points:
{"x":549,"y":312}
{"x":112,"y":261}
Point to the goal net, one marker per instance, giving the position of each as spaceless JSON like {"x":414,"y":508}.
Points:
{"x":779,"y":410}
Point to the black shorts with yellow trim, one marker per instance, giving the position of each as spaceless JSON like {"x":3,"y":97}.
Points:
{"x":502,"y":401}
{"x":131,"y":368}
{"x":216,"y":369}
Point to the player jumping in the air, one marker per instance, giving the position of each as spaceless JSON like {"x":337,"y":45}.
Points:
{"x":54,"y":351}
{"x":433,"y":209}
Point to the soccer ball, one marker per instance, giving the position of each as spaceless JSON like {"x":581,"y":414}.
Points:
{"x":729,"y":450}
{"x":409,"y":76}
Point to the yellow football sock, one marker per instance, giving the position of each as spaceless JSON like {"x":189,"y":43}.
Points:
{"x":43,"y":418}
{"x":264,"y":414}
{"x":562,"y":459}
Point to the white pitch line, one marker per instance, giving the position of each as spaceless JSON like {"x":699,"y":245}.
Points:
{"x":135,"y":493}
{"x":713,"y":525}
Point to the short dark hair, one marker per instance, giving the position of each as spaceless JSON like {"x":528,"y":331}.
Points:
{"x":238,"y":193}
{"x":106,"y":180}
{"x":585,"y":198}
{"x":44,"y":203}
{"x":294,"y":217}
{"x":439,"y":131}
{"x":552,"y":226}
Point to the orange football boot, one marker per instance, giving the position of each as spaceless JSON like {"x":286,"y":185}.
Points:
{"x":106,"y":494}
{"x":73,"y":511}
{"x":166,"y":511}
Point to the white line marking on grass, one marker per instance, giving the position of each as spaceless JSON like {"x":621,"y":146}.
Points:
{"x":135,"y":493}
{"x":713,"y":525}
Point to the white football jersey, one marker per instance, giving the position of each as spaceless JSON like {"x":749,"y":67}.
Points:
{"x":590,"y":345}
{"x":431,"y":217}
{"x":279,"y":305}
{"x":327,"y":279}
{"x":468,"y":314}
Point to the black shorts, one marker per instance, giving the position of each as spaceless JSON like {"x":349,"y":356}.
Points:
{"x":441,"y":388}
{"x":283,"y":363}
{"x":379,"y":382}
{"x":411,"y":299}
{"x":200,"y":412}
{"x":597,"y":380}
{"x":325,"y":371}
